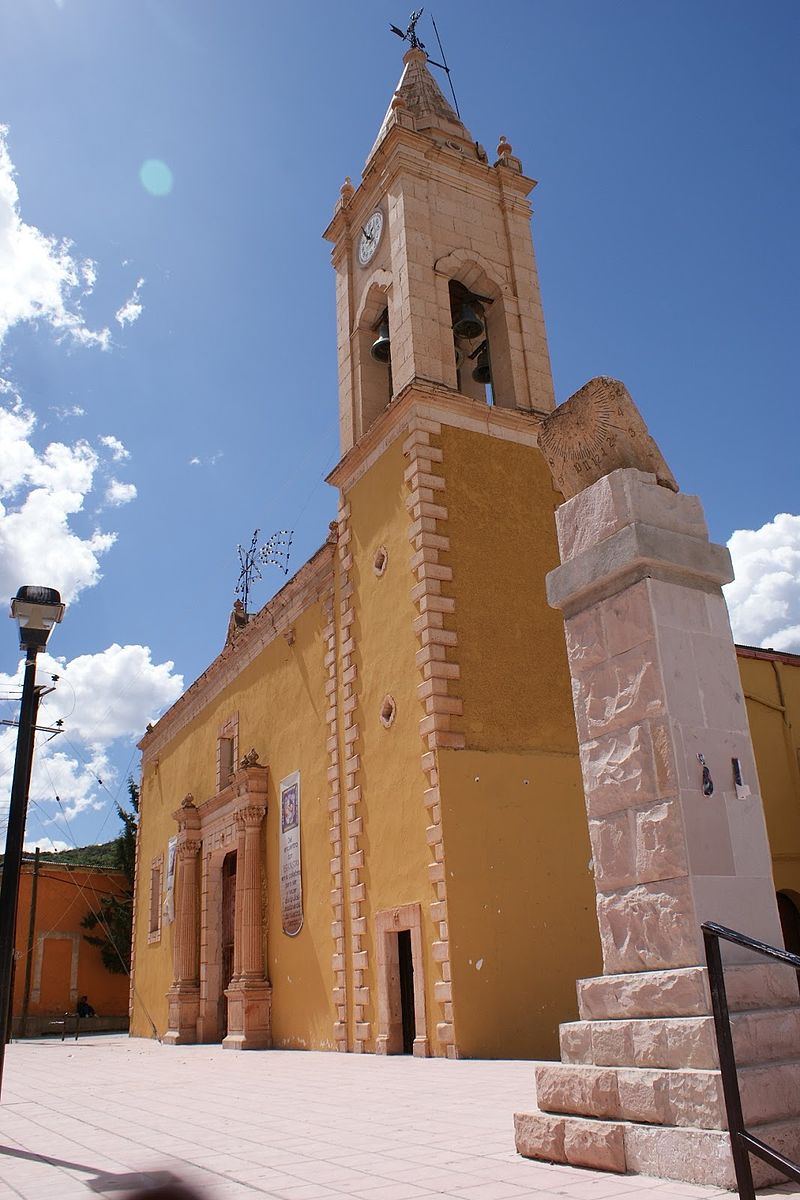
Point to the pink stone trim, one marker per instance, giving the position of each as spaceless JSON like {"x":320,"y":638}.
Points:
{"x":303,"y":590}
{"x":349,"y":740}
{"x":440,"y":725}
{"x":335,"y":822}
{"x":227,"y":757}
{"x":154,"y":902}
{"x":389,"y":1039}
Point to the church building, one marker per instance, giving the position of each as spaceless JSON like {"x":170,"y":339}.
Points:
{"x":363,"y":827}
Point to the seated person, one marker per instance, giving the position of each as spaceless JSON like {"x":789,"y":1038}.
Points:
{"x":84,"y":1008}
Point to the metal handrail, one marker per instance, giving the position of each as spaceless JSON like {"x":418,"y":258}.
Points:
{"x":743,"y":1143}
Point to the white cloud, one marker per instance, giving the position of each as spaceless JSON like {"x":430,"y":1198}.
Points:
{"x":100,"y":698}
{"x":211,"y":461}
{"x":120,"y":493}
{"x":73,"y":410}
{"x":764,"y":599}
{"x":47,"y":845}
{"x":40,"y":277}
{"x":39,"y":492}
{"x":118,"y":451}
{"x":131,"y":310}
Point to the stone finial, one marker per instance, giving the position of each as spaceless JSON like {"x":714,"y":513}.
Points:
{"x":347,"y":191}
{"x":595,"y":432}
{"x":236,"y":621}
{"x":504,"y":148}
{"x":397,"y":102}
{"x":187,"y":801}
{"x":333,"y":532}
{"x":249,"y":760}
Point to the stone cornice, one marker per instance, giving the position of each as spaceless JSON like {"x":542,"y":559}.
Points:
{"x":431,"y":401}
{"x":274,"y":620}
{"x":405,"y":150}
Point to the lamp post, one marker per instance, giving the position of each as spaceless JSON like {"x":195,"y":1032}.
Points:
{"x":37,"y":609}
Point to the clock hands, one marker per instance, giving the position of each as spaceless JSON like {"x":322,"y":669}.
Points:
{"x":368,"y":236}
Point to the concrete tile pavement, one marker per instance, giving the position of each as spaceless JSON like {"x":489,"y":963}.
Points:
{"x":108,"y":1115}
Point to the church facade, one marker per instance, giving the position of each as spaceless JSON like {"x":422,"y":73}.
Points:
{"x":363,"y":828}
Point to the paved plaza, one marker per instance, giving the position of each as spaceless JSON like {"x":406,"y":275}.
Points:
{"x":110,"y":1115}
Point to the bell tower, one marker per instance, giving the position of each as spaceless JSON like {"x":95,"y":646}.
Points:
{"x":436,"y":278}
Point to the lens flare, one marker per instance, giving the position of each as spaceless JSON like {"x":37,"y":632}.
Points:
{"x":156,"y":177}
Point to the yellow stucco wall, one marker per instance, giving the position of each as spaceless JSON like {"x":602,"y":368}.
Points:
{"x":514,"y":674}
{"x":772,"y":693}
{"x":280,"y":701}
{"x":520,"y":895}
{"x":394,"y":816}
{"x":520,"y":898}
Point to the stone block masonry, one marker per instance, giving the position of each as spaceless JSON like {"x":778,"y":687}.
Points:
{"x":676,"y":840}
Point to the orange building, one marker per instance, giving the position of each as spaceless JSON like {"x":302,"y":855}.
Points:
{"x":53,"y":962}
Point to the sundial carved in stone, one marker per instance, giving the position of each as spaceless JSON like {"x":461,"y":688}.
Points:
{"x":596,"y":431}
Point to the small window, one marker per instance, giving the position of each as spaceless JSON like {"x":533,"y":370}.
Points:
{"x":156,"y":871}
{"x":388,"y":712}
{"x":227,"y":751}
{"x":225,"y":761}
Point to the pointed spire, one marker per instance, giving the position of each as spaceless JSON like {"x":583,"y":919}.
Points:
{"x":419,"y":94}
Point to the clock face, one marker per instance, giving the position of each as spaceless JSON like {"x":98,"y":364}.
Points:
{"x":370,"y":237}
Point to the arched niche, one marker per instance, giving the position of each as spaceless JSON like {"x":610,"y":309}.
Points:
{"x":373,"y":380}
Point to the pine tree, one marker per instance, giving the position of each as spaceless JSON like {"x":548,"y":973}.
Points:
{"x":115,"y":914}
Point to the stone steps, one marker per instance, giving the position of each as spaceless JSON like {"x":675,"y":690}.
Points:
{"x":700,"y":1156}
{"x":759,"y":1036}
{"x":660,"y":1096}
{"x":683,"y":992}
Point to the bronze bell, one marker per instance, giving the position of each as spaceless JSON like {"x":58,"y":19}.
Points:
{"x":381,"y":348}
{"x":481,"y":372}
{"x":469,"y":325}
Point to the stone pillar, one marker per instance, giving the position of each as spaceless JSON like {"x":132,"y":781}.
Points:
{"x":249,"y":995}
{"x":658,"y":698}
{"x":238,"y":899}
{"x":184,"y":995}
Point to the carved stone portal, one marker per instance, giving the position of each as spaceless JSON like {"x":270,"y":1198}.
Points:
{"x":230,"y":820}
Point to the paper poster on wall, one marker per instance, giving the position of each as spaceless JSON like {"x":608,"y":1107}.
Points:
{"x":291,"y":878}
{"x":169,"y":897}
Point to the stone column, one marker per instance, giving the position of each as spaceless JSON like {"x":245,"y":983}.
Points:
{"x":239,"y":898}
{"x":184,"y":995}
{"x":678,"y":837}
{"x":251,"y":933}
{"x":249,"y":995}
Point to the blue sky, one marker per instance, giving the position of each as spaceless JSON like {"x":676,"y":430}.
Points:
{"x":201,"y":342}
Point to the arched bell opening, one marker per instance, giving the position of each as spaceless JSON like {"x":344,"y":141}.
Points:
{"x":374,"y":358}
{"x":470,"y":344}
{"x":489,"y":367}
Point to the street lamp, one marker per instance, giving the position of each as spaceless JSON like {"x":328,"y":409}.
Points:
{"x":37,"y":609}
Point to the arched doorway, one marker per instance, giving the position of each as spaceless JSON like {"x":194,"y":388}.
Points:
{"x":228,"y":931}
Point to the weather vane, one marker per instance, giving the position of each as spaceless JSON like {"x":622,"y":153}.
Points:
{"x":274,"y":553}
{"x":410,"y":36}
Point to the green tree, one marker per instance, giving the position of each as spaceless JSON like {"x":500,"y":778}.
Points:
{"x":114,"y":918}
